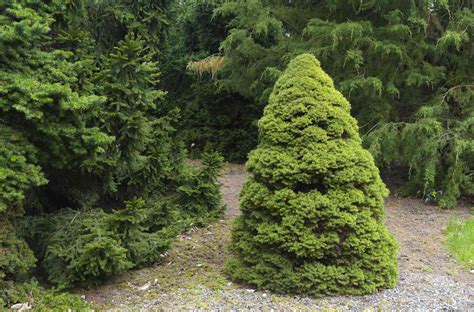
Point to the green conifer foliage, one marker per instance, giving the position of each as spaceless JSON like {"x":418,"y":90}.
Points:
{"x":131,"y":115}
{"x":405,"y":66}
{"x":312,"y":211}
{"x":92,"y":179}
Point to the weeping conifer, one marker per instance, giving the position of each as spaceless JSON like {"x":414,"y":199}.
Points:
{"x":312,"y":210}
{"x":405,"y":66}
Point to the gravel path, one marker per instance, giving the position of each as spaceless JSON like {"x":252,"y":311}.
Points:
{"x":190,"y":276}
{"x":415,"y":290}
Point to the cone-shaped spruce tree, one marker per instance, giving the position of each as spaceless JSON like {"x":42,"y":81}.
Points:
{"x":312,"y":209}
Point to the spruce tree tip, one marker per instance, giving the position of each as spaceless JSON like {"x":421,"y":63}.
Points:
{"x":305,"y":58}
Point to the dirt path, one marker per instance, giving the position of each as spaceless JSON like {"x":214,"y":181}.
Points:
{"x":190,"y":276}
{"x":418,"y":229}
{"x":232,"y":180}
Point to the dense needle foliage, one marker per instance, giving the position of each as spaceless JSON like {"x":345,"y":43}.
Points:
{"x":405,"y":66}
{"x":312,"y":211}
{"x":213,"y":118}
{"x":92,"y":174}
{"x":102,"y":102}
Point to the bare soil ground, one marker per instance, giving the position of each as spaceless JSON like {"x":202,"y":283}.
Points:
{"x":190,"y":276}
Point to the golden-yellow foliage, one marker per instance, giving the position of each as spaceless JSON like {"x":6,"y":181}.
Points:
{"x":210,"y":65}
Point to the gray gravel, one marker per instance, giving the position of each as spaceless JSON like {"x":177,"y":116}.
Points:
{"x":415,"y":291}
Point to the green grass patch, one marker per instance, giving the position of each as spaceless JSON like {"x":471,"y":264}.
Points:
{"x":460,"y":240}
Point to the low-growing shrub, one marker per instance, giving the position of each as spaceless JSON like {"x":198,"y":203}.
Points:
{"x":84,"y":247}
{"x":16,"y":261}
{"x":77,"y":247}
{"x":198,"y":195}
{"x":34,"y":296}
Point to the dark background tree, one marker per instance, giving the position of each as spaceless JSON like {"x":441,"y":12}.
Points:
{"x":406,"y":67}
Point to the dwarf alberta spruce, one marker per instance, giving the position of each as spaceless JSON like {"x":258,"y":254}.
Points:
{"x":312,"y":210}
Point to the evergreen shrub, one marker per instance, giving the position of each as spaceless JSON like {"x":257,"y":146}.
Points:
{"x":313,"y":208}
{"x":40,"y":299}
{"x":199,"y":194}
{"x":90,"y":160}
{"x":85,"y":247}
